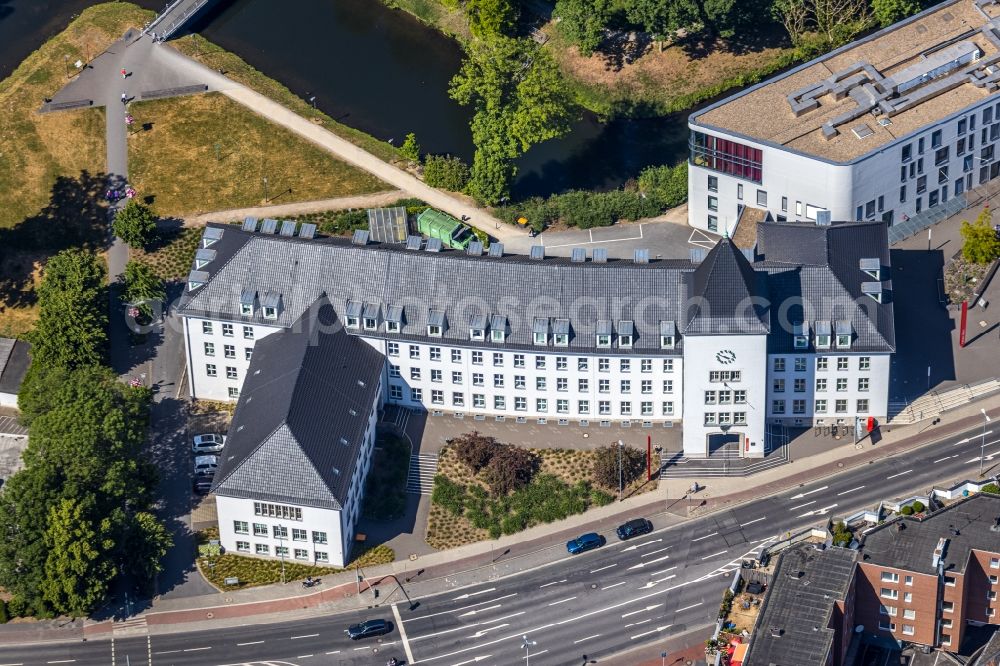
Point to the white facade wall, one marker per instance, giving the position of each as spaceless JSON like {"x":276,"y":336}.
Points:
{"x":805,"y":372}
{"x":204,"y":336}
{"x":707,"y":354}
{"x":841,"y":188}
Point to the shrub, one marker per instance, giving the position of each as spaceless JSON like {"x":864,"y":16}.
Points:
{"x":449,"y":495}
{"x":918,"y":506}
{"x":981,"y":243}
{"x":605,"y":470}
{"x":17,"y":606}
{"x":510,"y":468}
{"x":4,"y":616}
{"x":446,"y":172}
{"x":135,"y":224}
{"x":665,"y":184}
{"x":474,"y":450}
{"x":344,"y":223}
{"x":906,"y":510}
{"x":726,"y":605}
{"x":991,"y":488}
{"x":410,"y":148}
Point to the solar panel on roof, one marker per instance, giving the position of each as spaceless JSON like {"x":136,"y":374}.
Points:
{"x":475,"y":249}
{"x":413,"y":242}
{"x":640,"y":256}
{"x":287,"y":228}
{"x":537,"y":252}
{"x":307,"y":230}
{"x":268,"y":226}
{"x":496,"y":249}
{"x":599,"y":255}
{"x":433,"y":245}
{"x":250,"y":224}
{"x":360,"y":237}
{"x":579,"y":255}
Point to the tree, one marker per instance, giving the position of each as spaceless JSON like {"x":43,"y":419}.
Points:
{"x":446,"y":172}
{"x":518,"y":99}
{"x":142,"y":286}
{"x":509,"y":469}
{"x":583,"y":22}
{"x":410,"y":148}
{"x":78,"y":572}
{"x":72,"y":317}
{"x":890,"y":11}
{"x":633,"y":462}
{"x":474,"y":450}
{"x":660,"y":18}
{"x":491,"y":18}
{"x":840,"y":20}
{"x":147,"y":542}
{"x":981,"y":243}
{"x":664,"y":184}
{"x":135,"y":224}
{"x":794,"y":15}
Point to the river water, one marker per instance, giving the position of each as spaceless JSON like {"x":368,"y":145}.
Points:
{"x":381,"y":71}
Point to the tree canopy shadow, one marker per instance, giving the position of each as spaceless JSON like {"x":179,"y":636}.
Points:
{"x":75,"y":216}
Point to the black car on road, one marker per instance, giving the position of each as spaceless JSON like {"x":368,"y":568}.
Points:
{"x":368,"y":629}
{"x":633,"y":528}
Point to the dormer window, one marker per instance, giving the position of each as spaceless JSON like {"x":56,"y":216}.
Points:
{"x":211,"y":236}
{"x":604,"y":334}
{"x":844,"y":334}
{"x":872,"y":267}
{"x":248,"y":300}
{"x":823,"y":335}
{"x":270,"y":303}
{"x":540,"y":331}
{"x":352,"y":315}
{"x":800,"y":333}
{"x":370,"y":317}
{"x":626,"y":334}
{"x":560,"y":333}
{"x":477,"y":328}
{"x":498,"y":328}
{"x":392,"y":327}
{"x":197,"y":279}
{"x":668,"y":335}
{"x":435,"y":323}
{"x":203,"y":257}
{"x":394,"y":319}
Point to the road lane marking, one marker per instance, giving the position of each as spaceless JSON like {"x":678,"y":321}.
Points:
{"x":603,"y":568}
{"x":611,"y":586}
{"x":755,"y":520}
{"x":802,"y":506}
{"x":555,"y":582}
{"x":945,"y":458}
{"x":969,"y":439}
{"x":640,"y":545}
{"x":402,"y":634}
{"x":250,"y":643}
{"x":561,"y":601}
{"x":201,"y":648}
{"x":849,"y":491}
{"x":817,"y":512}
{"x":535,"y":654}
{"x":303,"y":656}
{"x":585,"y":639}
{"x":334,"y":652}
{"x":61,"y":661}
{"x":455,"y":610}
{"x":641,"y":610}
{"x":636,"y":624}
{"x":362,"y":648}
{"x":474,"y":594}
{"x":482,"y":632}
{"x":421,"y":637}
{"x":505,"y":617}
{"x":721,"y":552}
{"x":706,"y":536}
{"x":475,"y":660}
{"x":651,"y":631}
{"x":654,"y":552}
{"x":900,"y":474}
{"x":801,"y":495}
{"x":645,"y":564}
{"x":293,"y":638}
{"x":480,"y":610}
{"x":679,"y":610}
{"x":657,"y":573}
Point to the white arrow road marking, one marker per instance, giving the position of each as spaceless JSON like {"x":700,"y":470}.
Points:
{"x":585,"y":639}
{"x":654,"y":552}
{"x":802,"y":506}
{"x":643,"y":564}
{"x":651,"y":631}
{"x":945,"y":458}
{"x":969,"y":439}
{"x":755,"y":520}
{"x":817,"y":512}
{"x":657,"y":573}
{"x":636,"y":624}
{"x":482,"y":632}
{"x":972,"y":460}
{"x":555,"y":582}
{"x":561,"y":601}
{"x":641,"y":610}
{"x":654,"y":583}
{"x":463,"y":627}
{"x":603,"y":568}
{"x":480,"y":610}
{"x":689,"y":607}
{"x":473,"y":594}
{"x":402,"y":634}
{"x":473,"y":661}
{"x":705,"y":537}
{"x":900,"y":474}
{"x":640,"y":545}
{"x":801,"y":495}
{"x":849,"y":491}
{"x":455,"y":610}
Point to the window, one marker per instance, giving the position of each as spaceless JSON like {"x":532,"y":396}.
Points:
{"x":604,"y":386}
{"x":582,"y":364}
{"x":458,"y":399}
{"x":921,"y":184}
{"x":935,"y":138}
{"x":821,"y":384}
{"x":248,"y":332}
{"x":798,"y":406}
{"x":668,"y":365}
{"x":231,"y":372}
{"x":862,"y":406}
{"x":243,"y":546}
{"x":778,"y":386}
{"x":841,"y":363}
{"x":885,"y":625}
{"x":209,"y":349}
{"x":711,"y":418}
{"x":277,"y":511}
{"x":947,"y":606}
{"x":583,"y":406}
{"x":247,"y":353}
{"x":841,"y":383}
{"x":206,"y":327}
{"x":241,"y":527}
{"x":539,"y":363}
{"x":603,"y":365}
{"x":713,"y":183}
{"x":920,"y":145}
{"x":725,"y":156}
{"x":437,"y":397}
{"x":647,"y":386}
{"x":519,"y":381}
{"x":889,"y":593}
{"x":518,"y":360}
{"x":784,"y":204}
{"x":820,"y":407}
{"x":890,"y":577}
{"x":456,"y":355}
{"x":863,"y":383}
{"x":229,"y":351}
{"x":762,"y":198}
{"x":604,"y":407}
{"x":909,"y":614}
{"x":210,"y":370}
{"x":961,"y":125}
{"x":888,"y":611}
{"x":562,"y":384}
{"x":259,"y":529}
{"x":740,"y":397}
{"x":562,"y":363}
{"x":456,"y":377}
{"x":995,"y":563}
{"x":800,"y":364}
{"x":908,"y":597}
{"x":908,"y":580}
{"x":433,"y":330}
{"x":416,"y":395}
{"x":497,"y":335}
{"x":321,"y":556}
{"x":840,"y":406}
{"x":393,"y":370}
{"x":583,"y":385}
{"x":234,"y":392}
{"x":499,"y":402}
{"x":497,"y":381}
{"x":946,"y":639}
{"x":541,"y":405}
{"x":821,"y":363}
{"x":626,"y":386}
{"x":520,"y":404}
{"x":800,"y":385}
{"x":435,"y":353}
{"x":301,"y":554}
{"x":262,"y":549}
{"x":540,"y":383}
{"x":477,"y":379}
{"x":713,"y":203}
{"x":779,"y":364}
{"x":227,"y":330}
{"x":414,"y":351}
{"x":798,"y":208}
{"x":415,"y":374}
{"x":713,"y":225}
{"x":941,"y":156}
{"x":319,"y":537}
{"x":280,"y":532}
{"x":668,"y":408}
{"x":907,"y":152}
{"x":497,"y":360}
{"x":908,"y":629}
{"x":778,"y":406}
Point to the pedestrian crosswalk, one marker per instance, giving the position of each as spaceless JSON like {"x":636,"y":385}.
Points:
{"x":10,"y":426}
{"x":420,"y":479}
{"x":131,"y":627}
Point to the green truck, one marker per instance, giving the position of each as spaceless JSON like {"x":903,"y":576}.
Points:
{"x":452,"y":233}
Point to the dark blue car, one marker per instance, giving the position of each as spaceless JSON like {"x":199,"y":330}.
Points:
{"x":583,"y":543}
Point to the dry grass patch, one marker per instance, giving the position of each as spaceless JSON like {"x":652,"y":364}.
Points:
{"x":173,"y":255}
{"x":206,"y":153}
{"x":20,"y":275}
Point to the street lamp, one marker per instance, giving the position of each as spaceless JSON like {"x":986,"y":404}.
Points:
{"x":265,"y":189}
{"x":982,"y":450}
{"x":621,"y":446}
{"x":526,"y":644}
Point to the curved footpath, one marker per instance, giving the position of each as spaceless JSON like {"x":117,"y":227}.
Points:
{"x":488,"y":561}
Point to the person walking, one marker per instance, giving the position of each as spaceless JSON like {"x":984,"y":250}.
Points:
{"x":124,"y":73}
{"x":124,"y":97}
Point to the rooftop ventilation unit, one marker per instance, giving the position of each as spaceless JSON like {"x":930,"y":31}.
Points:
{"x":287,"y":228}
{"x":360,"y":237}
{"x":433,"y":245}
{"x":884,"y":121}
{"x":862,"y":131}
{"x":496,"y":250}
{"x":413,"y":242}
{"x":537,"y":252}
{"x":697,"y":255}
{"x":250,"y":224}
{"x":776,"y":632}
{"x":307,"y":230}
{"x":599,"y":255}
{"x":269,"y":226}
{"x":640,"y":256}
{"x":475,"y":249}
{"x":578,"y":256}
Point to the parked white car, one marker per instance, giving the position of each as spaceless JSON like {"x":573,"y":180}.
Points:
{"x":206,"y":465}
{"x":208,"y":443}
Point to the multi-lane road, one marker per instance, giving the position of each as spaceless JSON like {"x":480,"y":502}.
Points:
{"x":623,"y":596}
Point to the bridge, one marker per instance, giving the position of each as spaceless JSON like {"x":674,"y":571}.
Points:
{"x":173,"y":18}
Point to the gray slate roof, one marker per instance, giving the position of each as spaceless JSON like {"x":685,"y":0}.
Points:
{"x":300,"y":420}
{"x":966,"y":524}
{"x":704,"y":299}
{"x":14,"y":362}
{"x":801,"y":607}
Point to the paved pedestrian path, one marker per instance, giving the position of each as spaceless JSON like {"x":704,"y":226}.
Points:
{"x":374,"y":200}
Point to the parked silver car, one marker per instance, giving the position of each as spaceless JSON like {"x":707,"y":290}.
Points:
{"x":206,"y":465}
{"x":208,"y":443}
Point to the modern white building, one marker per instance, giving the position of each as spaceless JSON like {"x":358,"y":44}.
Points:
{"x":885,"y":128}
{"x":313,"y":336}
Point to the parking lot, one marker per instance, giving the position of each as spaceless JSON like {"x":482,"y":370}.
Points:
{"x":664,"y":240}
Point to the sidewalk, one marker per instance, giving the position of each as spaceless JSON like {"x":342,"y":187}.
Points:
{"x":373,"y":200}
